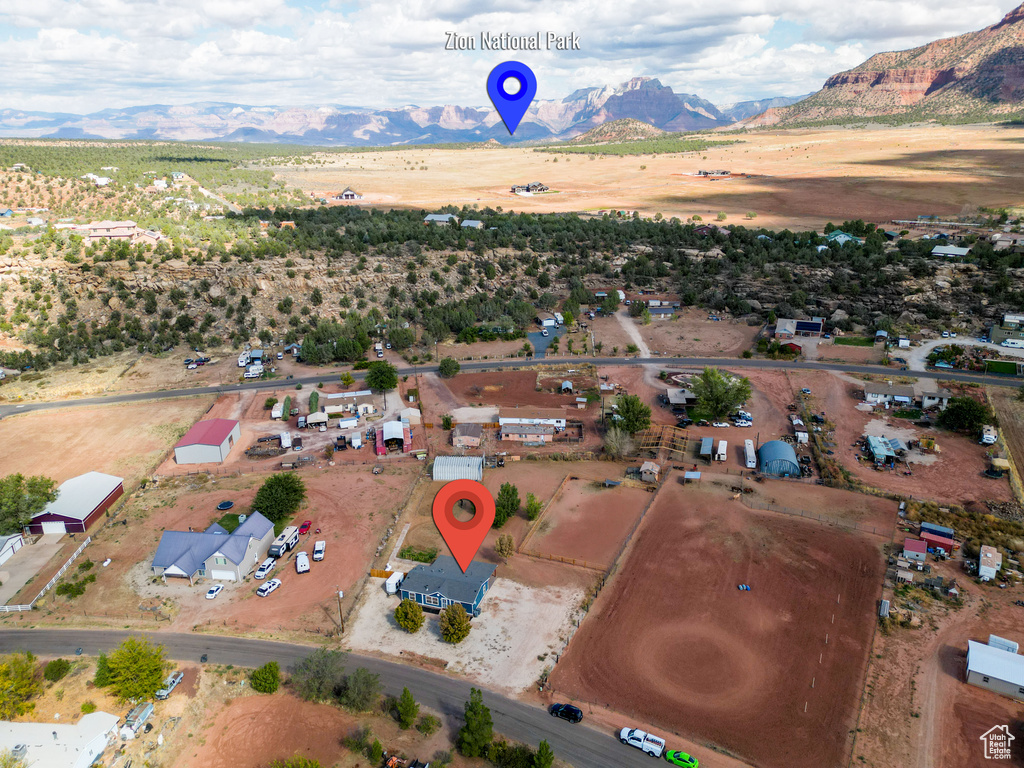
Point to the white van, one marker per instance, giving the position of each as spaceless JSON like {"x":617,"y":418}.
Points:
{"x":265,"y":568}
{"x":302,"y":563}
{"x":318,"y":550}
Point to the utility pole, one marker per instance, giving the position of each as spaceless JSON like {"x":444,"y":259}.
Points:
{"x":341,"y":616}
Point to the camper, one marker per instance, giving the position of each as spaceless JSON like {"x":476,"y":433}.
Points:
{"x":723,"y":450}
{"x":285,"y":542}
{"x":357,"y":441}
{"x":286,"y":440}
{"x":621,"y":295}
{"x":244,"y":359}
{"x":277,"y":411}
{"x":394,"y":580}
{"x":136,"y":719}
{"x":1014,"y":343}
{"x":750,"y":453}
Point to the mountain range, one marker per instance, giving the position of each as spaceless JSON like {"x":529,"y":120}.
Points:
{"x":978,"y":76}
{"x":640,"y":98}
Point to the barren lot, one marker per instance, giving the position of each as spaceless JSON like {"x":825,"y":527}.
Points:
{"x":124,"y":440}
{"x":700,"y":657}
{"x":796,"y":178}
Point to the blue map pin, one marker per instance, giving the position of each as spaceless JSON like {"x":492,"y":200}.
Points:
{"x":511,"y":106}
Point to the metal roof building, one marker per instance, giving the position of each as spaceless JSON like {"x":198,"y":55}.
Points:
{"x":448,"y":468}
{"x":779,"y":459}
{"x":442,"y":583}
{"x":62,"y":745}
{"x":214,"y":553}
{"x":995,"y":670}
{"x":207,"y":441}
{"x":80,"y":502}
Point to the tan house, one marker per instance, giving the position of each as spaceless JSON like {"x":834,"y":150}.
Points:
{"x":532,"y":434}
{"x":467,"y":435}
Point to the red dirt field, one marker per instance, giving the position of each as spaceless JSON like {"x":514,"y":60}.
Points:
{"x":588,"y":522}
{"x":672,"y":641}
{"x":508,"y":388}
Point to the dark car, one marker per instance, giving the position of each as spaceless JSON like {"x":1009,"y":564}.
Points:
{"x":189,"y":360}
{"x":566,"y":712}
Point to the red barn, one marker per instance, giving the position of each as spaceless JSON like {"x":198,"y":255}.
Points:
{"x":934,"y":540}
{"x":80,"y":502}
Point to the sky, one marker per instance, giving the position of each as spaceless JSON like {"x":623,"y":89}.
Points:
{"x":85,"y":55}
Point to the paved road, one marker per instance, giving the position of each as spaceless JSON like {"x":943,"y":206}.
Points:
{"x":493,"y":365}
{"x":579,"y":745}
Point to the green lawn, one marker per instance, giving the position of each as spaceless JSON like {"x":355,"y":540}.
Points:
{"x":854,"y":341}
{"x":229,"y":521}
{"x":908,"y":413}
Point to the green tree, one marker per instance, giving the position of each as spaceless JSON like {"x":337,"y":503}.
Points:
{"x":382,"y":376}
{"x":402,"y":338}
{"x":447,"y":422}
{"x":534,"y":507}
{"x":448,"y":368}
{"x":269,"y":403}
{"x":21,"y":497}
{"x":102,"y":677}
{"x":965,"y":414}
{"x":544,"y":758}
{"x":280,"y":496}
{"x":635,"y":414}
{"x":407,"y":708}
{"x":720,"y":393}
{"x":505,"y":546}
{"x":19,"y":684}
{"x":318,"y":676}
{"x":376,"y":750}
{"x":267,"y":678}
{"x":347,"y":380}
{"x":56,"y":669}
{"x":455,"y":624}
{"x":409,"y":615}
{"x":362,"y":690}
{"x":136,"y":669}
{"x":477,"y":732}
{"x":506,"y":505}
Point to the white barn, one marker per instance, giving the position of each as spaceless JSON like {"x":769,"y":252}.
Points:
{"x":995,"y":669}
{"x":207,"y":442}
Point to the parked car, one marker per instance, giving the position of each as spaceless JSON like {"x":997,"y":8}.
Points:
{"x":945,"y":334}
{"x":544,"y":332}
{"x":302,"y":563}
{"x":212,"y":592}
{"x":318,"y":550}
{"x":649,"y":743}
{"x":189,"y":360}
{"x":566,"y":712}
{"x":675,"y":757}
{"x":265,"y":567}
{"x":720,"y":424}
{"x":388,"y":345}
{"x":192,"y":366}
{"x":269,"y":587}
{"x":805,"y":391}
{"x":280,"y":355}
{"x":169,"y":685}
{"x":744,"y":423}
{"x":304,"y":528}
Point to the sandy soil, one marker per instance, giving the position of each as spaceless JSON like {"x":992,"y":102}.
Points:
{"x":588,"y":521}
{"x":516,"y":636}
{"x":124,"y":440}
{"x":1010,"y":412}
{"x":797,"y":178}
{"x":733,"y":667}
{"x":843,"y":354}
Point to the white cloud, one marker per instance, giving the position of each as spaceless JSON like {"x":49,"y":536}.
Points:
{"x":84,"y":55}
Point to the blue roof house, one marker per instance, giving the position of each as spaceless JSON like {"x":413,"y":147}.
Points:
{"x":442,"y":583}
{"x":214,"y":553}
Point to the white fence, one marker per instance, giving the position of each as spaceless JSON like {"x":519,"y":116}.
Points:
{"x":50,"y":583}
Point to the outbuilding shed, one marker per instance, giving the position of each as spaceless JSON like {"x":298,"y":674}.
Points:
{"x":779,"y":459}
{"x":9,"y":545}
{"x":208,"y":441}
{"x":448,"y":468}
{"x":80,"y":502}
{"x":995,"y":670}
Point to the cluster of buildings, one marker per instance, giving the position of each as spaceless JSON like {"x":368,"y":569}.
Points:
{"x":450,"y":218}
{"x":127,"y":231}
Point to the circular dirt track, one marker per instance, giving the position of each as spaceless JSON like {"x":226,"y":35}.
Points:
{"x":703,"y":665}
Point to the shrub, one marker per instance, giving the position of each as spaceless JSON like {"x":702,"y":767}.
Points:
{"x":56,"y":669}
{"x":448,"y":367}
{"x":428,"y":725}
{"x":267,"y":678}
{"x":407,"y":709}
{"x":455,"y":623}
{"x":409,"y":615}
{"x":102,"y":677}
{"x":88,"y":707}
{"x":269,"y":403}
{"x":362,"y":690}
{"x":447,"y":422}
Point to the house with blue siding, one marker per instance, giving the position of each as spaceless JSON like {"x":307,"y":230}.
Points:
{"x":442,"y":583}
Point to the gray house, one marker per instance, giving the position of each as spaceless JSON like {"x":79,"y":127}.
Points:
{"x":214,"y":553}
{"x":995,"y":669}
{"x":442,"y":583}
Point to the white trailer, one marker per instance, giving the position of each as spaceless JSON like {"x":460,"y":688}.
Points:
{"x":244,"y":359}
{"x":750,"y":453}
{"x":379,"y":349}
{"x":277,"y":411}
{"x":286,"y":440}
{"x":1014,"y":343}
{"x":621,"y":295}
{"x":723,"y":451}
{"x":357,"y":440}
{"x":394,"y":580}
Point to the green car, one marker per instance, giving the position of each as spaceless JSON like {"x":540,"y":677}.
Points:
{"x":681,"y":758}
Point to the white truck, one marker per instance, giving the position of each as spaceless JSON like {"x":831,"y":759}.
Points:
{"x":989,"y":435}
{"x":379,"y":349}
{"x":642,"y":740}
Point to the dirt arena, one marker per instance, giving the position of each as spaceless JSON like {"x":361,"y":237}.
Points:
{"x":797,"y":178}
{"x":672,"y":641}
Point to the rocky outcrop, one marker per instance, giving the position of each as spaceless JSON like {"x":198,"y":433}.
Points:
{"x":977,"y":76}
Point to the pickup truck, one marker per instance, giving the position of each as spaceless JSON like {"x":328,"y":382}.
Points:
{"x":646,"y":742}
{"x":169,"y":685}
